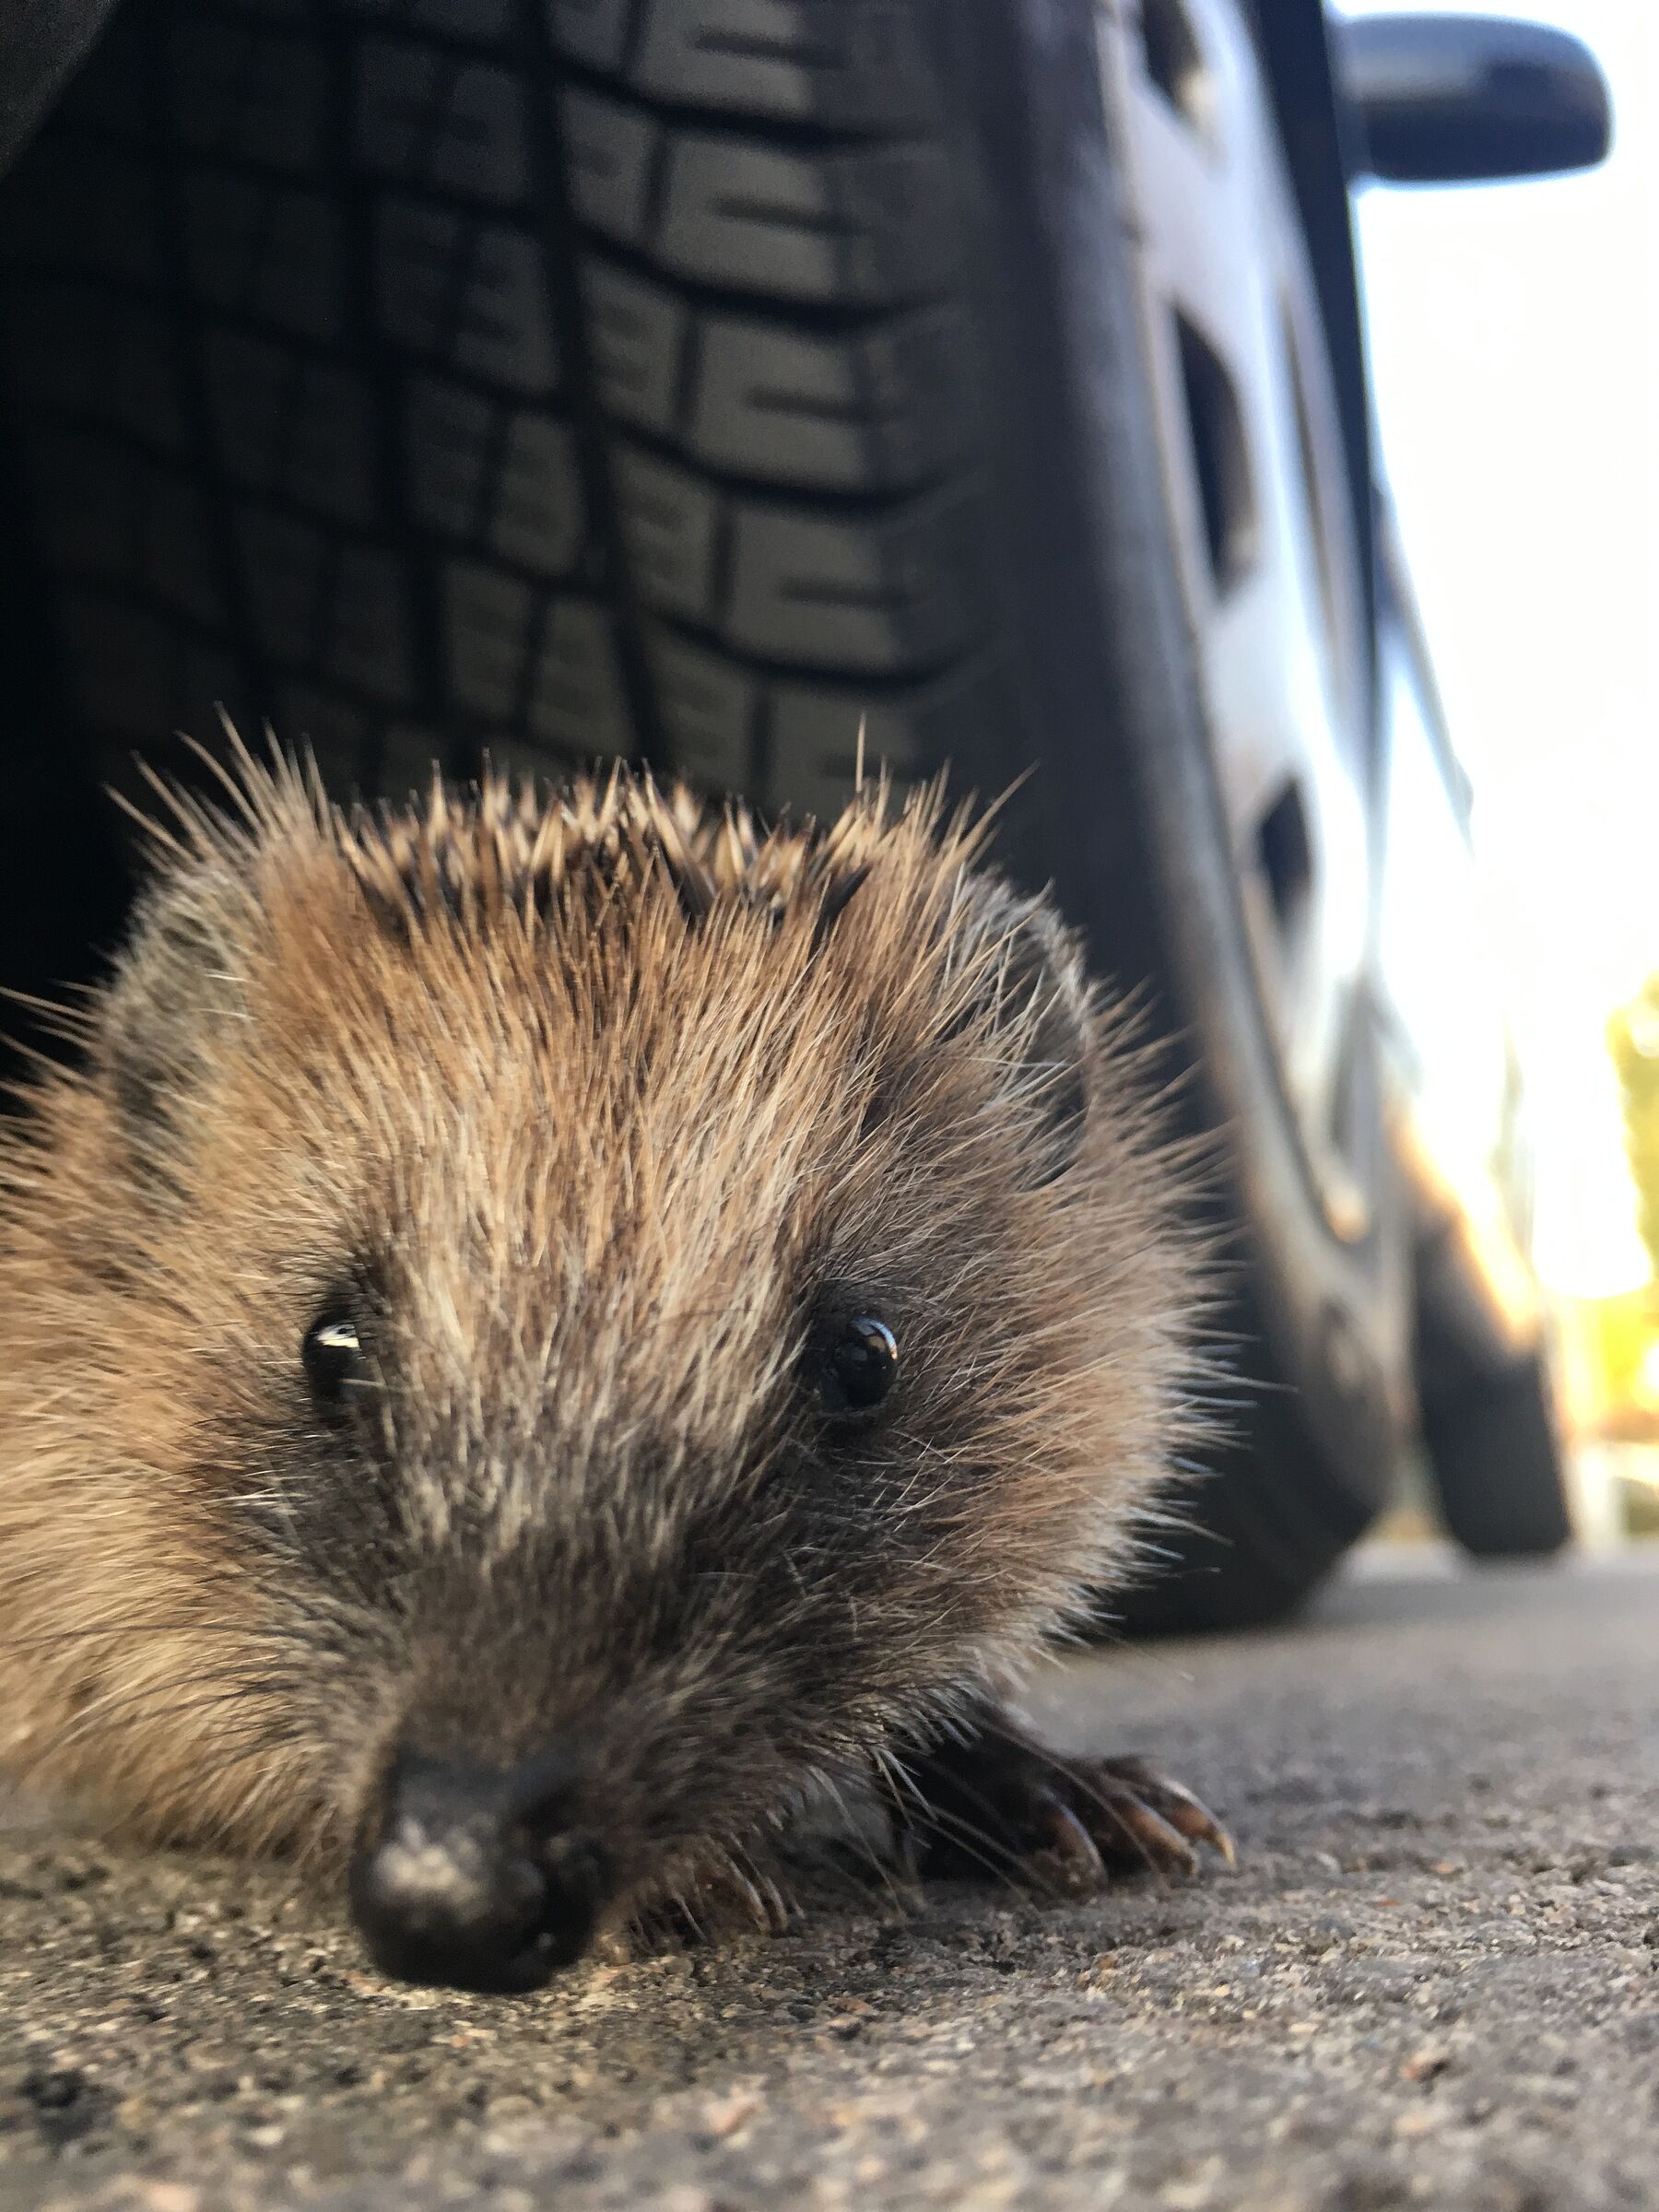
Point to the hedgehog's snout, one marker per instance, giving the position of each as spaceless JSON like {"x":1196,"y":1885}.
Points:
{"x":477,"y":1877}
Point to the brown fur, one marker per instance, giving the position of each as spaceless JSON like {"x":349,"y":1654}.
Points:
{"x":587,"y":1103}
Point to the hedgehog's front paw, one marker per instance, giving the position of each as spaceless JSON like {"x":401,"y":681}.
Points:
{"x":1001,"y":1804}
{"x":706,"y":1898}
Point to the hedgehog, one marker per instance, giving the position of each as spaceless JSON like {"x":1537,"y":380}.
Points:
{"x":539,"y":1329}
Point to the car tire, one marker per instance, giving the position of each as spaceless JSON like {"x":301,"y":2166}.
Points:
{"x":693,"y":379}
{"x":1495,"y":1450}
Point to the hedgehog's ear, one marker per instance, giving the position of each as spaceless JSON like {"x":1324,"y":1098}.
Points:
{"x":1031,"y":980}
{"x":177,"y":988}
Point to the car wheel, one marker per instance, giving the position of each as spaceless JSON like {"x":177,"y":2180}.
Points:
{"x":1495,"y":1449}
{"x":694,"y":378}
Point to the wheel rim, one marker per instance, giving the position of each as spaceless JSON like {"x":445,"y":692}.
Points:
{"x":1250,"y":445}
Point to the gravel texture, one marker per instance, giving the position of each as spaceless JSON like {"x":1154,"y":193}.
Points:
{"x":1435,"y":1979}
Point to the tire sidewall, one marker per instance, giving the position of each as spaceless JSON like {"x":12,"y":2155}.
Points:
{"x":1124,"y":813}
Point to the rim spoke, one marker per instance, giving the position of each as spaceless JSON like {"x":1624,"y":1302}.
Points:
{"x":1187,"y":193}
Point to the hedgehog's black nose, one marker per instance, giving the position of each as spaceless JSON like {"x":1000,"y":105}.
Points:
{"x":476,"y":1877}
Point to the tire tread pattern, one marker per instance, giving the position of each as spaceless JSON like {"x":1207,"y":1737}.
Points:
{"x":544,"y":377}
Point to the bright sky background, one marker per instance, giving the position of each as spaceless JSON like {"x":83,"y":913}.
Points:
{"x":1516,"y":347}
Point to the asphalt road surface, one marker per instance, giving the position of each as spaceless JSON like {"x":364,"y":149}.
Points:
{"x":1434,"y":1979}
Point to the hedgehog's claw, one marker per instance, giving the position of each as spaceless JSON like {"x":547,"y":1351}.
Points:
{"x":1136,"y":1788}
{"x":1077,"y":1854}
{"x":1002,"y":1803}
{"x":1137,"y":1822}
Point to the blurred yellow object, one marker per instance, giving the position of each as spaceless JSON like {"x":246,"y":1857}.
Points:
{"x":1633,"y":1041}
{"x":1609,"y":1366}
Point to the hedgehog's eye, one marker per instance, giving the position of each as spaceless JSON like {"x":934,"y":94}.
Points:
{"x":332,"y":1356}
{"x":860,"y":1368}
